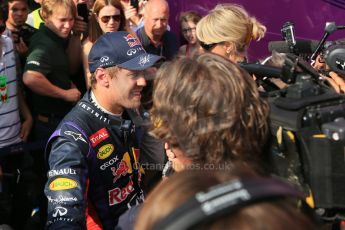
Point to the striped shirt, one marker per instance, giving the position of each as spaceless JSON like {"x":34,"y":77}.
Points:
{"x":9,"y":112}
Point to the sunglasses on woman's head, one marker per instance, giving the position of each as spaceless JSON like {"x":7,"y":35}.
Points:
{"x":106,"y":18}
{"x":207,"y":47}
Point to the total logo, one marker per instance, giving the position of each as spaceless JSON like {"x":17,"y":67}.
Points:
{"x":62,"y":184}
{"x":117,"y":195}
{"x":105,"y":151}
{"x":99,"y":136}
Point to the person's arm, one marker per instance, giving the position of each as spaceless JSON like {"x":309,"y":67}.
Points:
{"x":26,"y":115}
{"x":337,"y":82}
{"x":74,"y":45}
{"x":86,"y":50}
{"x":66,"y":185}
{"x":39,"y":84}
{"x":130,"y":12}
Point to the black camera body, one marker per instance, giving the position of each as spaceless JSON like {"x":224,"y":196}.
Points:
{"x":135,"y":4}
{"x":25,"y":32}
{"x":307,"y":121}
{"x":308,"y":143}
{"x":334,"y":56}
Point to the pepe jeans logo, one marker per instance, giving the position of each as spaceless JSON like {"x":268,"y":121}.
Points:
{"x":61,"y":199}
{"x":104,"y":59}
{"x":144,"y":59}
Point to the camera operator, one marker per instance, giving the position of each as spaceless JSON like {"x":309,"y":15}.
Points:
{"x":335,"y":80}
{"x":17,"y":11}
{"x":15,"y":25}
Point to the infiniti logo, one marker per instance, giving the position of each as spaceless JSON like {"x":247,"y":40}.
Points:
{"x":104,"y":59}
{"x":59,"y":211}
{"x":131,"y":52}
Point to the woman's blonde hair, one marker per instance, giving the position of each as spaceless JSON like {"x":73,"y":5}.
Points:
{"x":49,"y":6}
{"x":229,"y":23}
{"x":189,"y":16}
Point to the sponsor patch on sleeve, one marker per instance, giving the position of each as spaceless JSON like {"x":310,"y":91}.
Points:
{"x":62,"y":183}
{"x":99,"y":136}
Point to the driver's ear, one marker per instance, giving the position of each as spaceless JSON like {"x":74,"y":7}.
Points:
{"x":102,"y":77}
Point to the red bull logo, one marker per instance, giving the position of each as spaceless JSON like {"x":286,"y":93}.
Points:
{"x":121,"y":170}
{"x":134,"y":43}
{"x":98,"y":137}
{"x":117,"y":195}
{"x":128,"y":37}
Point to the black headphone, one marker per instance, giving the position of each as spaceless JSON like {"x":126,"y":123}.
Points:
{"x":224,"y":199}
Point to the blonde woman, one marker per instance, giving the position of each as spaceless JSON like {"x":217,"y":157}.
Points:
{"x":228,"y":30}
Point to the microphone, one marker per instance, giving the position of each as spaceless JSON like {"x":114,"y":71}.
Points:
{"x":301,"y":47}
{"x":261,"y":71}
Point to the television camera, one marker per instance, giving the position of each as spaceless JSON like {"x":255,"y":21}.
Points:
{"x":307,"y":121}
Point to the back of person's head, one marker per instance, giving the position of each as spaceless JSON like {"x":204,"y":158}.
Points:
{"x":210,"y":108}
{"x":50,"y":6}
{"x":95,"y":30}
{"x":217,"y":200}
{"x":229,"y":23}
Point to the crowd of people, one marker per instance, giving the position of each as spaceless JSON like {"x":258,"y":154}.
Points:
{"x":99,"y":112}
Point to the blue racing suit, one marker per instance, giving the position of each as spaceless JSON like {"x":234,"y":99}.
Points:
{"x":94,"y":175}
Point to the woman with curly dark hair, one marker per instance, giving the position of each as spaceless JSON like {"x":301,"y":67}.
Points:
{"x":210,"y":113}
